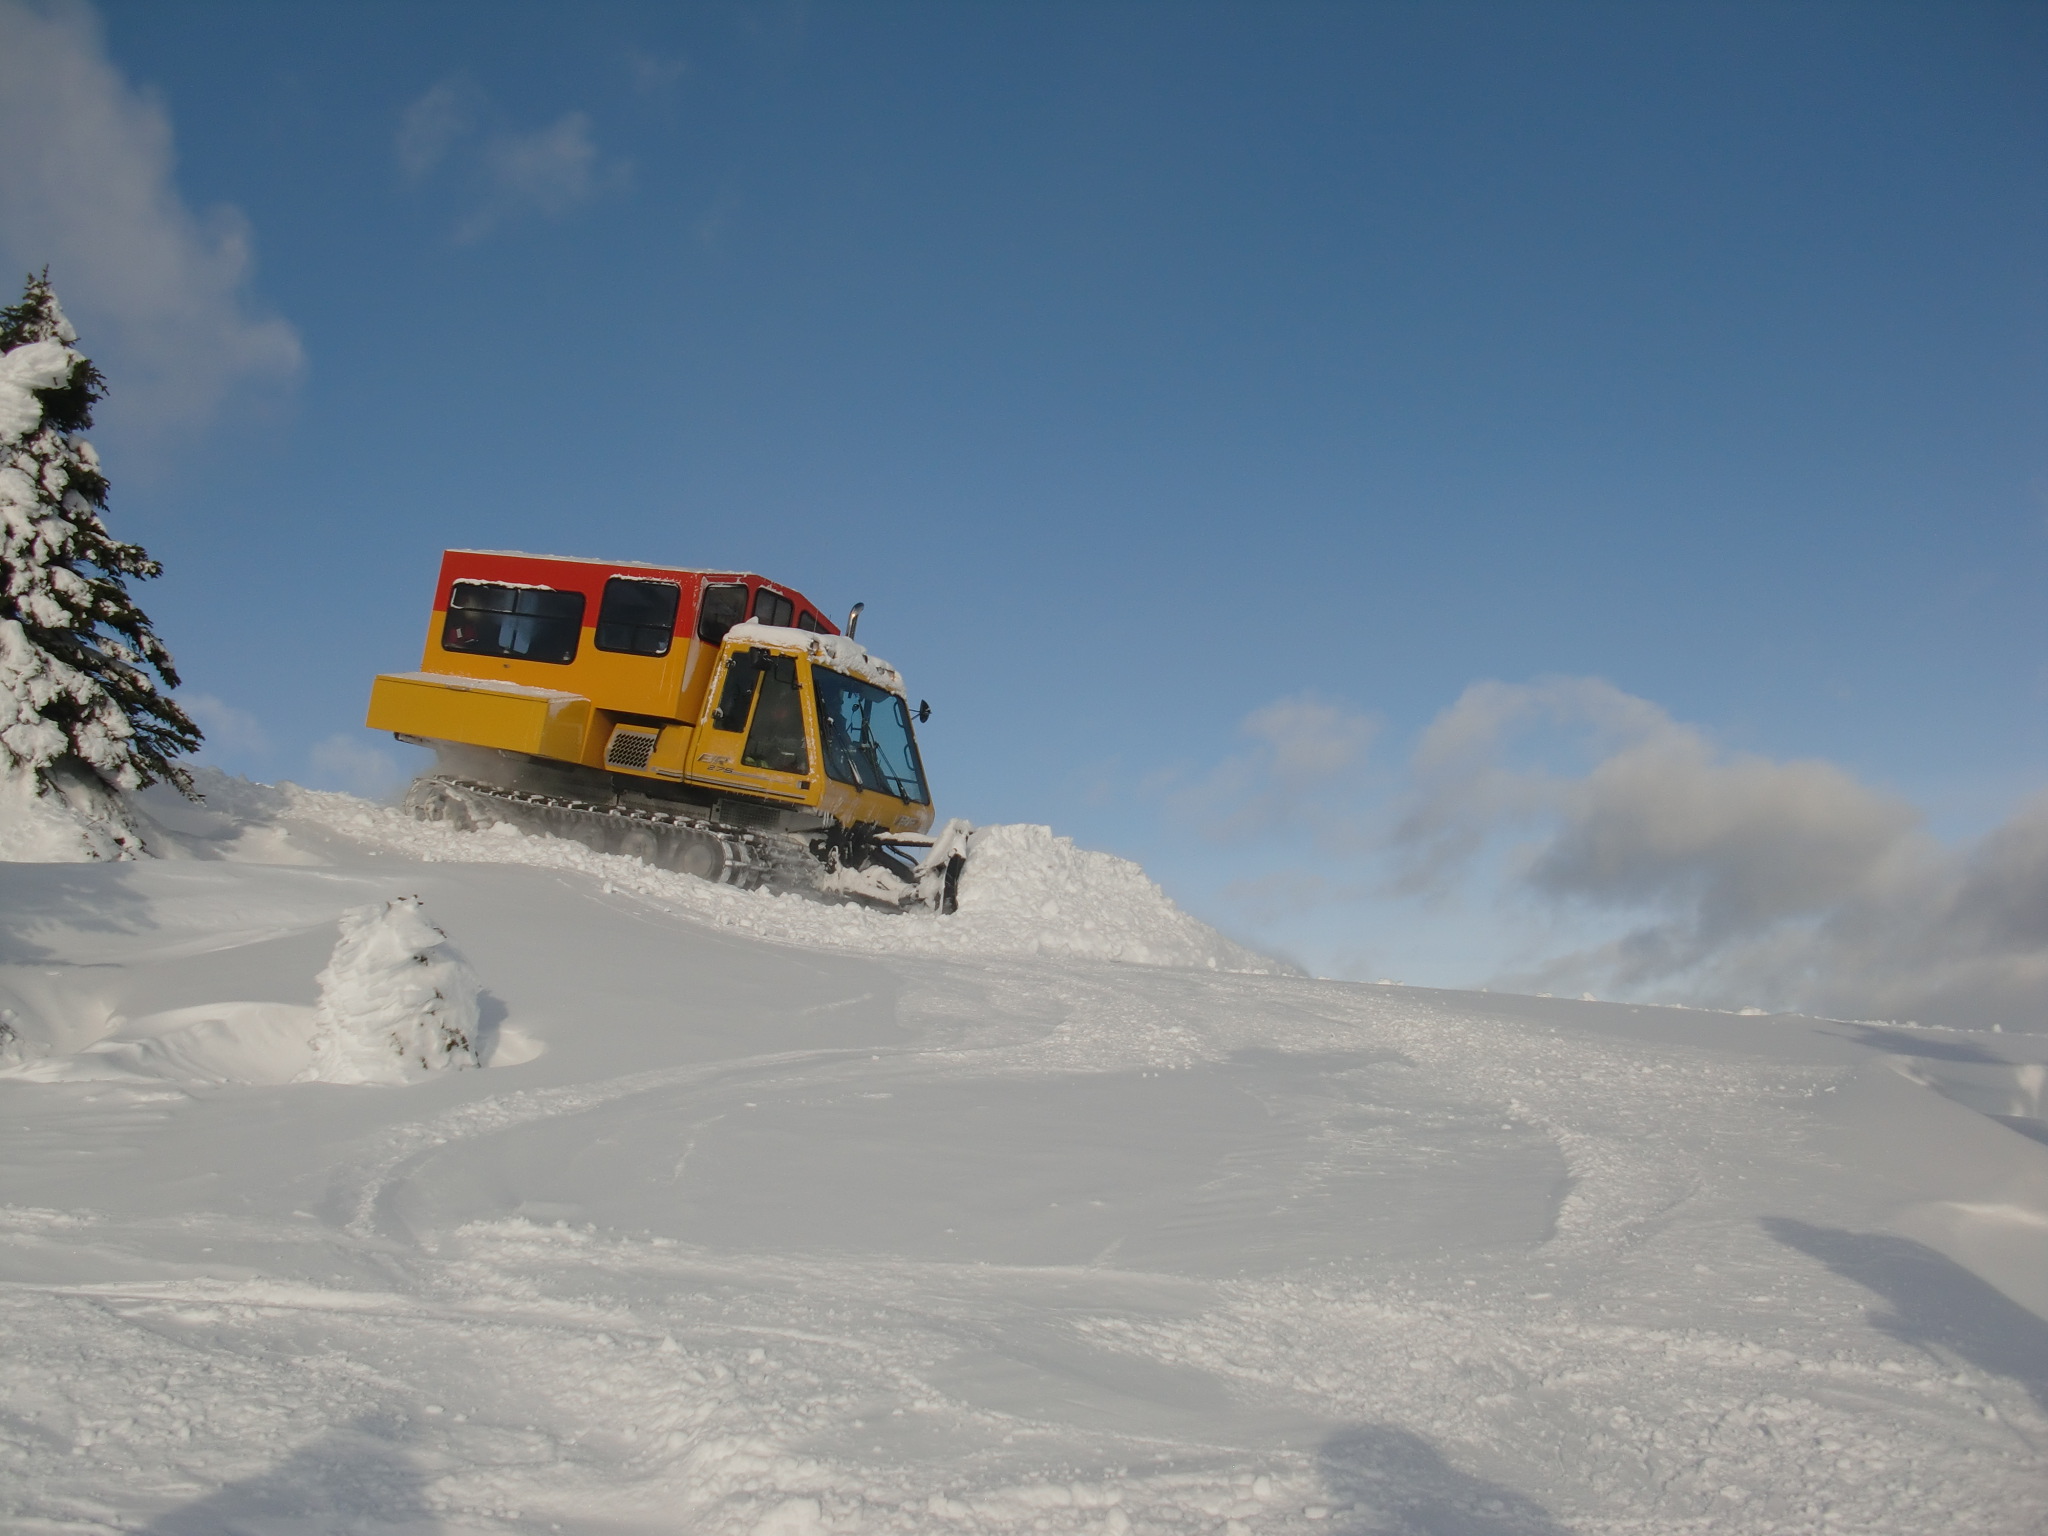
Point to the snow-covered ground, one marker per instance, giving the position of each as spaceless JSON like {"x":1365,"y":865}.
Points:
{"x":1063,"y":1214}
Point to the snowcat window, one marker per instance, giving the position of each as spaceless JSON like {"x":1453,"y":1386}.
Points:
{"x":736,"y":698}
{"x":638,"y":616}
{"x":868,"y":742}
{"x":773,"y":608}
{"x":724,"y":605}
{"x":777,"y":739}
{"x":486,"y":618}
{"x":809,"y":620}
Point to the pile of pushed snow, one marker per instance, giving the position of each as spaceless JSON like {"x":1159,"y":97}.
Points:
{"x":1025,"y":891}
{"x":395,"y":1002}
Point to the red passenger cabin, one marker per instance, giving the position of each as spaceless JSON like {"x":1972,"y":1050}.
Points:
{"x":633,"y":609}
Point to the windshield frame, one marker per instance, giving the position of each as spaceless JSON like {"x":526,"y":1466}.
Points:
{"x":862,"y":764}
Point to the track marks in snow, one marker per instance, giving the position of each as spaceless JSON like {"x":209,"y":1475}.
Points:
{"x":1366,"y":1260}
{"x":1652,"y":1429}
{"x":363,"y":1181}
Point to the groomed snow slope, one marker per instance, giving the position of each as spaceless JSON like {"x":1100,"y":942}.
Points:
{"x":764,"y":1216}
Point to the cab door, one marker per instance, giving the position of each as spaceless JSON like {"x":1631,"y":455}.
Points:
{"x":759,"y":734}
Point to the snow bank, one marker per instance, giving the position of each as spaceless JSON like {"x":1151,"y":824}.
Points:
{"x":793,"y":1517}
{"x":73,"y":821}
{"x":1028,"y":891}
{"x":208,"y":1046}
{"x":395,"y":1003}
{"x":1025,"y":892}
{"x":782,"y":1241}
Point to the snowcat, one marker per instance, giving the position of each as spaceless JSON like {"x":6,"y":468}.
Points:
{"x":714,"y":723}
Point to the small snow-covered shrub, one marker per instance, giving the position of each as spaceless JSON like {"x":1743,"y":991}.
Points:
{"x":395,"y":1002}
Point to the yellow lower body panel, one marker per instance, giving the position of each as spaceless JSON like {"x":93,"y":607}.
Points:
{"x":514,"y":718}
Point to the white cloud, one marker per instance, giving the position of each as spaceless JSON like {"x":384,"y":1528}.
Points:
{"x":1264,"y":901}
{"x":653,"y":73}
{"x":1463,"y":783}
{"x":1741,"y":879}
{"x":1307,"y":741}
{"x":230,"y":732}
{"x":346,"y":761}
{"x":1736,"y":843}
{"x":505,"y":173}
{"x":1305,"y":757}
{"x":436,"y":123}
{"x":87,"y":187}
{"x":550,"y":170}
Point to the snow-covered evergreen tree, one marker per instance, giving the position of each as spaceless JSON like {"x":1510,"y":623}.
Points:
{"x":81,"y":715}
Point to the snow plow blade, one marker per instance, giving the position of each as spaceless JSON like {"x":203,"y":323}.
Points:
{"x":933,"y":881}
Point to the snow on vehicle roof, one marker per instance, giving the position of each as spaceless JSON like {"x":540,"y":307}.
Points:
{"x":834,"y":651}
{"x":621,"y":565}
{"x":493,"y":684}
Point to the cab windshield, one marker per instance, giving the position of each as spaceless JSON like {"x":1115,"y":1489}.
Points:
{"x":867,"y":737}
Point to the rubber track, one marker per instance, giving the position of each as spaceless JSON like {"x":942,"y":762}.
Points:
{"x":751,"y":859}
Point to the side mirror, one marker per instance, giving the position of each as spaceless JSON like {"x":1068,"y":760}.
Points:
{"x":924,"y":711}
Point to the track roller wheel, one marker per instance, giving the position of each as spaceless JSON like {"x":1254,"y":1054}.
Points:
{"x":438,"y":801}
{"x":696,"y":853}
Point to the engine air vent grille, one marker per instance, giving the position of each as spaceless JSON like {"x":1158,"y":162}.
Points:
{"x":630,"y":747}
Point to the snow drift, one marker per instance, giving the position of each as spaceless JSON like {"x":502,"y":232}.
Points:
{"x":789,"y":1218}
{"x":1026,"y":891}
{"x":212,"y":1045}
{"x":396,"y":1003}
{"x":68,"y":818}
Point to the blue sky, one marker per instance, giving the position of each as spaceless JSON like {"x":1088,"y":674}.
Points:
{"x":1202,"y":399}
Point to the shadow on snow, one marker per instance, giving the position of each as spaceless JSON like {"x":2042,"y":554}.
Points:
{"x":357,"y":1478}
{"x":1934,"y":1300}
{"x":1901,"y":1042}
{"x":1387,"y":1480}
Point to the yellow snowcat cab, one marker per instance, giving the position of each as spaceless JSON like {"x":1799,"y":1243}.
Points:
{"x":712,"y":723}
